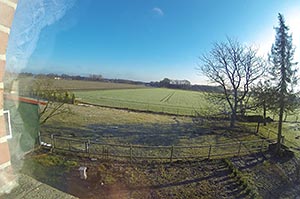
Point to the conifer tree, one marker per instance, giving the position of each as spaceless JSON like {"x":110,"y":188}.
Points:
{"x":282,"y":72}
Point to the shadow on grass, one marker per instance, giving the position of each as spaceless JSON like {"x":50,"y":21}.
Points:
{"x":157,"y":134}
{"x":208,"y":177}
{"x":146,"y":134}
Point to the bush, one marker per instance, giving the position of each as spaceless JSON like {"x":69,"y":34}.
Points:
{"x":251,"y":118}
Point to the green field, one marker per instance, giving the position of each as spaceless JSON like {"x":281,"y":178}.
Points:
{"x":164,"y":100}
{"x":150,"y":135}
{"x":25,"y":83}
{"x":126,"y":127}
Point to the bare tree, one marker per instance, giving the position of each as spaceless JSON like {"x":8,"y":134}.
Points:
{"x":51,"y":109}
{"x":234,"y":67}
{"x":54,"y":99}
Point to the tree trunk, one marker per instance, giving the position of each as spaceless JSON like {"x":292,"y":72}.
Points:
{"x":233,"y":116}
{"x":233,"y":119}
{"x":242,"y":109}
{"x":265,"y":113}
{"x":233,"y":110}
{"x":279,"y":134}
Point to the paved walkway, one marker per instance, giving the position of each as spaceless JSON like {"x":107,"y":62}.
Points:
{"x":30,"y":188}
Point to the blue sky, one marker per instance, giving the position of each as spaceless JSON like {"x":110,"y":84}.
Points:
{"x":145,"y":40}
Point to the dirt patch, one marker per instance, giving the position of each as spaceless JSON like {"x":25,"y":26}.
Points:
{"x":272,"y":177}
{"x":205,"y":179}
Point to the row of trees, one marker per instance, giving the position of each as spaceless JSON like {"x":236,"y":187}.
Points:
{"x":185,"y":85}
{"x":168,"y":83}
{"x":243,"y":74}
{"x":91,"y":77}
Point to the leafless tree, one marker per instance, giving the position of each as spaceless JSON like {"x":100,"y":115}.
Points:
{"x":53,"y":99}
{"x":234,"y":67}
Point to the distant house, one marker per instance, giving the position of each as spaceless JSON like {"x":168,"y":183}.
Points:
{"x":180,"y":82}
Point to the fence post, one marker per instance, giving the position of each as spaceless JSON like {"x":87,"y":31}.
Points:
{"x":282,"y":139}
{"x":103,"y":151}
{"x":209,"y":151}
{"x":87,"y":146}
{"x":107,"y":153}
{"x":52,"y":142}
{"x":39,"y":138}
{"x":257,"y":127}
{"x":240,"y":146}
{"x":130,"y":153}
{"x":172,"y":151}
{"x":262,"y":144}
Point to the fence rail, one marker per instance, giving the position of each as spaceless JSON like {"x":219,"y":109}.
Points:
{"x":170,"y":153}
{"x":269,"y":133}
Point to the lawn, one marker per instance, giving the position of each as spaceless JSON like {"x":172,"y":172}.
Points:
{"x":111,"y":126}
{"x":172,"y":101}
{"x":181,"y":179}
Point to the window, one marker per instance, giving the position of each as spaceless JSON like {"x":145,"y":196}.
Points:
{"x":8,"y":124}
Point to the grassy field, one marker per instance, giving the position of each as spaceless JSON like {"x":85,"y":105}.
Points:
{"x":172,"y":101}
{"x":252,"y":176}
{"x":26,"y":82}
{"x":138,"y":97}
{"x":181,"y":179}
{"x":126,"y":127}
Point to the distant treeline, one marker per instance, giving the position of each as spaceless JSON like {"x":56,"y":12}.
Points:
{"x":92,"y":77}
{"x":165,"y":83}
{"x":185,"y":85}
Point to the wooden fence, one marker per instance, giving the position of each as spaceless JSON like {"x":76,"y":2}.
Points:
{"x":270,"y":134}
{"x":141,"y":152}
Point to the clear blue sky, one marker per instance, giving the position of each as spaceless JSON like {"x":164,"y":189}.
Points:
{"x":147,"y":39}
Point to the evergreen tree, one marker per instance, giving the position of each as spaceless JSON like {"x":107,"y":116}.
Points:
{"x":282,"y":71}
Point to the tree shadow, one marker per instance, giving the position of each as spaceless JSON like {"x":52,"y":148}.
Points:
{"x":177,"y":133}
{"x":154,"y":134}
